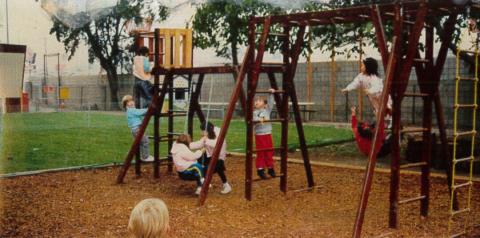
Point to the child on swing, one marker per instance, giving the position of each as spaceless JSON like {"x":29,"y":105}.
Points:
{"x":369,"y":81}
{"x":134,"y":119}
{"x":263,"y":136}
{"x":209,"y":141}
{"x":364,"y":133}
{"x":186,"y":161}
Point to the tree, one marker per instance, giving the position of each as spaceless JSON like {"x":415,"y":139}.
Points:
{"x":106,"y":38}
{"x":334,"y":38}
{"x":223,"y":24}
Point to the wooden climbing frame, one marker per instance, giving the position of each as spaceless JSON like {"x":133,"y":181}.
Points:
{"x":408,"y":19}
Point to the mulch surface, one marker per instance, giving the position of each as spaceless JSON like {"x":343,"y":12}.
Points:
{"x":89,"y":204}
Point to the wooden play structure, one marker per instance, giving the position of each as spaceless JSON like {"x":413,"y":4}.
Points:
{"x":12,"y":67}
{"x":408,"y":19}
{"x":170,"y":71}
{"x":399,"y":56}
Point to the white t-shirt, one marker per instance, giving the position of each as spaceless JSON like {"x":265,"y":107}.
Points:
{"x":371,"y":84}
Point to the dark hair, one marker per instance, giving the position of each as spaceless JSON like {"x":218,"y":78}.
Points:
{"x":209,"y":128}
{"x":184,"y":139}
{"x":143,"y":50}
{"x":366,"y":130}
{"x":371,"y":66}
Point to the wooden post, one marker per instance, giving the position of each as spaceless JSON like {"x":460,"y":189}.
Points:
{"x":296,"y":110}
{"x":158,"y":108}
{"x":372,"y":157}
{"x":283,"y":109}
{"x":309,"y":70}
{"x":170,"y":113}
{"x":333,"y":86}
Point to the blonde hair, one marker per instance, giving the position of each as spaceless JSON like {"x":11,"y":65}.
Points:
{"x":149,"y":219}
{"x":126,"y":99}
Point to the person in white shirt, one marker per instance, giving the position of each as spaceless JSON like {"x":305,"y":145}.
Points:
{"x":141,"y":71}
{"x":186,"y":161}
{"x":368,"y":81}
{"x":208,"y":142}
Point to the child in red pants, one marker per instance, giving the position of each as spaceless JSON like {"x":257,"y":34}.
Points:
{"x":263,"y":136}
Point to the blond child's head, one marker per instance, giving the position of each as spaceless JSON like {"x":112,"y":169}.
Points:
{"x":127,"y":101}
{"x":149,"y":219}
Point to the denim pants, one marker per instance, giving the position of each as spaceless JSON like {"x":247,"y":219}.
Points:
{"x":143,"y":89}
{"x":144,"y":152}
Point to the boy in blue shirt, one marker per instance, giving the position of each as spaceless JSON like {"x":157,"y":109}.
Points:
{"x":134,"y":119}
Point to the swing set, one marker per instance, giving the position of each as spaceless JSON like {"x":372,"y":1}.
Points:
{"x":399,"y":56}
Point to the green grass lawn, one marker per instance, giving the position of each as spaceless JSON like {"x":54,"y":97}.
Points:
{"x":36,"y":141}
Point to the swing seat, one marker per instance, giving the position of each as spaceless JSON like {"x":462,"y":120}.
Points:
{"x":187,"y":176}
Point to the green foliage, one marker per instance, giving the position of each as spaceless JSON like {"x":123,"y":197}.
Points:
{"x":106,"y":38}
{"x":223,"y":24}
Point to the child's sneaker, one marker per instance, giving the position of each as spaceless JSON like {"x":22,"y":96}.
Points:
{"x":226,"y":188}
{"x":271,"y":172}
{"x":198,"y":191}
{"x":148,"y":159}
{"x":261,"y":174}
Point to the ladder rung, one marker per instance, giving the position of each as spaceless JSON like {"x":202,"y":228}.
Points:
{"x":260,"y":179}
{"x":173,"y":114}
{"x":465,"y":133}
{"x":470,"y":158}
{"x":466,"y":78}
{"x":416,"y":94}
{"x":468,"y":51}
{"x":268,"y":91}
{"x":411,"y":165}
{"x":174,"y":133}
{"x":273,"y":64}
{"x":420,"y":60}
{"x":462,"y":185}
{"x":271,"y":120}
{"x":413,"y":130}
{"x":178,"y":111}
{"x":412,"y":199}
{"x":267,"y":149}
{"x":473,"y":106}
{"x":460,"y":211}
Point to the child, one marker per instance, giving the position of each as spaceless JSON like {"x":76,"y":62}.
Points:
{"x":134,"y":119}
{"x":208,"y":142}
{"x":263,"y":136}
{"x":141,"y":71}
{"x":364,"y":133}
{"x":369,"y":81}
{"x":149,"y":219}
{"x":186,"y":162}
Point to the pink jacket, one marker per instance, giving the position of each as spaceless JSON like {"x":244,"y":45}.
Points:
{"x":209,"y":145}
{"x":183,"y":157}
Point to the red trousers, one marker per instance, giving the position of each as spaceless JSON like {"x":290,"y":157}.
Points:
{"x":264,"y":158}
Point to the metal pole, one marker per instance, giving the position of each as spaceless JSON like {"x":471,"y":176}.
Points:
{"x":8,"y":30}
